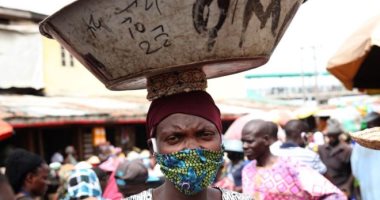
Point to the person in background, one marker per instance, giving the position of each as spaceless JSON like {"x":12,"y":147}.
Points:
{"x":131,"y":177}
{"x":294,"y":145}
{"x":6,"y":192}
{"x":94,"y":161}
{"x":346,"y":138}
{"x":27,"y":173}
{"x":365,"y":163}
{"x":271,"y":177}
{"x":111,"y":191}
{"x":103,"y":177}
{"x":222,"y":180}
{"x":70,"y":156}
{"x":83,"y":183}
{"x":53,"y":180}
{"x":64,"y":174}
{"x":155,"y":176}
{"x":318,"y":136}
{"x":336,"y":154}
{"x":275,"y":146}
{"x":234,"y":150}
{"x":185,"y":134}
{"x":57,"y":157}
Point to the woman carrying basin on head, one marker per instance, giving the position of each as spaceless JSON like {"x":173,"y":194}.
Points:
{"x":185,"y":135}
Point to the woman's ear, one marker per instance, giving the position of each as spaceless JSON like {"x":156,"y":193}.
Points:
{"x":29,"y":178}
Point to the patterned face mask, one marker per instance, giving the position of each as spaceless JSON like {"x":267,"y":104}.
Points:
{"x":191,"y":170}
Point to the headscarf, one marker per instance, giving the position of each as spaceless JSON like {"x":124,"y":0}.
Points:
{"x":84,"y":183}
{"x":197,"y":103}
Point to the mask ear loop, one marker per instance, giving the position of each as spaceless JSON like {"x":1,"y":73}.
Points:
{"x":154,"y":145}
{"x":154,"y":142}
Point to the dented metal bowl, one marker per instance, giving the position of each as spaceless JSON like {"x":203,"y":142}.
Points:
{"x":122,"y":42}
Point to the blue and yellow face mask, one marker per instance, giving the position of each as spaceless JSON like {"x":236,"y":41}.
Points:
{"x":191,"y":170}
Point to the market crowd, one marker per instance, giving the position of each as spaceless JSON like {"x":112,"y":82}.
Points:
{"x":306,"y":164}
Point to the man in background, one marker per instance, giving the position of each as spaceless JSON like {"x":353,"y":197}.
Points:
{"x":336,"y":156}
{"x":294,"y":145}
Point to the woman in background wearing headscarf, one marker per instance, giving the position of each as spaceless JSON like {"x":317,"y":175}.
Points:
{"x":83,"y":184}
{"x":185,"y":136}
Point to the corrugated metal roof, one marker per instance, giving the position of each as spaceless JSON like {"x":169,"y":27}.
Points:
{"x":27,"y":110}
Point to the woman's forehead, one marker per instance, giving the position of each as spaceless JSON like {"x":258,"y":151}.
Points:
{"x":183,"y":122}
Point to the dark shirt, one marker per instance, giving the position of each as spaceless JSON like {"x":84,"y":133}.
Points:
{"x":337,"y":161}
{"x":235,"y":171}
{"x":288,"y":145}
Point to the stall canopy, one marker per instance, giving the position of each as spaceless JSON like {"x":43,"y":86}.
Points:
{"x":356,"y":64}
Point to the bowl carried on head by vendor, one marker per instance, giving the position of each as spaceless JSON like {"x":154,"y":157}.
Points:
{"x":125,"y":42}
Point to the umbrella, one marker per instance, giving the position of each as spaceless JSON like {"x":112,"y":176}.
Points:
{"x":6,"y":130}
{"x":356,"y":63}
{"x":234,"y":131}
{"x":278,"y":116}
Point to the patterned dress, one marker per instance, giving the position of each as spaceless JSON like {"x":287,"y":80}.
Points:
{"x":226,"y":195}
{"x":287,"y":180}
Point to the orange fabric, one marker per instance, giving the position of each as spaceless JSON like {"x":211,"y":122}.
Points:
{"x":6,"y":130}
{"x":347,"y":60}
{"x":347,"y":71}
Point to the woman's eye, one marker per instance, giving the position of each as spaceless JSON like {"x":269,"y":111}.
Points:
{"x":207,"y":134}
{"x":172,"y":138}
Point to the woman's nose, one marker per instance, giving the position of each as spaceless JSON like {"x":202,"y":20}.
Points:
{"x":191,"y":144}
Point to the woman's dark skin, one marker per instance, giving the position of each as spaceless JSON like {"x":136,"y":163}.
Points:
{"x":182,"y":131}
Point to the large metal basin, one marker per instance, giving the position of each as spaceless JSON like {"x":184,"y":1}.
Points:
{"x":122,"y":42}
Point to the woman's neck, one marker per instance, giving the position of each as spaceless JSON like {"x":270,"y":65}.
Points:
{"x":168,"y":191}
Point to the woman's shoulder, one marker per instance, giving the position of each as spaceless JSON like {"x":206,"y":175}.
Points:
{"x":231,"y":195}
{"x":144,"y":195}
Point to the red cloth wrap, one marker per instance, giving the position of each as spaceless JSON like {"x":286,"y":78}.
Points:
{"x":197,"y":103}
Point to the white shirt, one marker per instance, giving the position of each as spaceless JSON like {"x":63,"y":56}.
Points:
{"x":306,"y":156}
